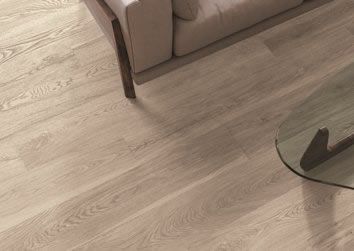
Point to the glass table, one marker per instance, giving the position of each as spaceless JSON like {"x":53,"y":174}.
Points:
{"x":316,"y":141}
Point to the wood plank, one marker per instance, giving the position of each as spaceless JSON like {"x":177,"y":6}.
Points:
{"x":201,"y":211}
{"x":191,"y":164}
{"x":117,"y":197}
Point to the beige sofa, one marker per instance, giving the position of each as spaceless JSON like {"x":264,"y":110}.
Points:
{"x":152,"y":37}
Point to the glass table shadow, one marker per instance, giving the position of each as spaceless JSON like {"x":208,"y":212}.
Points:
{"x":332,"y":107}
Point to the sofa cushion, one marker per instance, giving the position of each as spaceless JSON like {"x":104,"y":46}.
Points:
{"x":217,"y":19}
{"x":185,"y":9}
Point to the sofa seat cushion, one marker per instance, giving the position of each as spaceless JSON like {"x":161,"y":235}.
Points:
{"x":217,"y":19}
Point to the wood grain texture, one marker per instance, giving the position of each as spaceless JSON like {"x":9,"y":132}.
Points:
{"x":190,"y":165}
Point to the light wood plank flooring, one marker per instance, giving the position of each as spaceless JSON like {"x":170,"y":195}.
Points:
{"x":189,"y":165}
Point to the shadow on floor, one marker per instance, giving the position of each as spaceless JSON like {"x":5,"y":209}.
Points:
{"x":319,"y":203}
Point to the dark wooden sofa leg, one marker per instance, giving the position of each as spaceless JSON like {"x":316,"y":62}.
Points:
{"x":110,"y":26}
{"x":123,"y":61}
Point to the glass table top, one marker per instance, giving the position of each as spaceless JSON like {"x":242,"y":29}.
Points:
{"x":316,"y":141}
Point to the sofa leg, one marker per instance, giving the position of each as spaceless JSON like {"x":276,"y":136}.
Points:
{"x":123,"y":61}
{"x":126,"y":76}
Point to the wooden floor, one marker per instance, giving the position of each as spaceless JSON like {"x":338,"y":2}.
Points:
{"x":189,"y":165}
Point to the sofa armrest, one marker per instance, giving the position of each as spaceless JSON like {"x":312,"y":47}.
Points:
{"x":147,"y":27}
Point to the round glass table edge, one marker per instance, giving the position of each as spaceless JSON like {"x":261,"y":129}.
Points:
{"x":300,"y":174}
